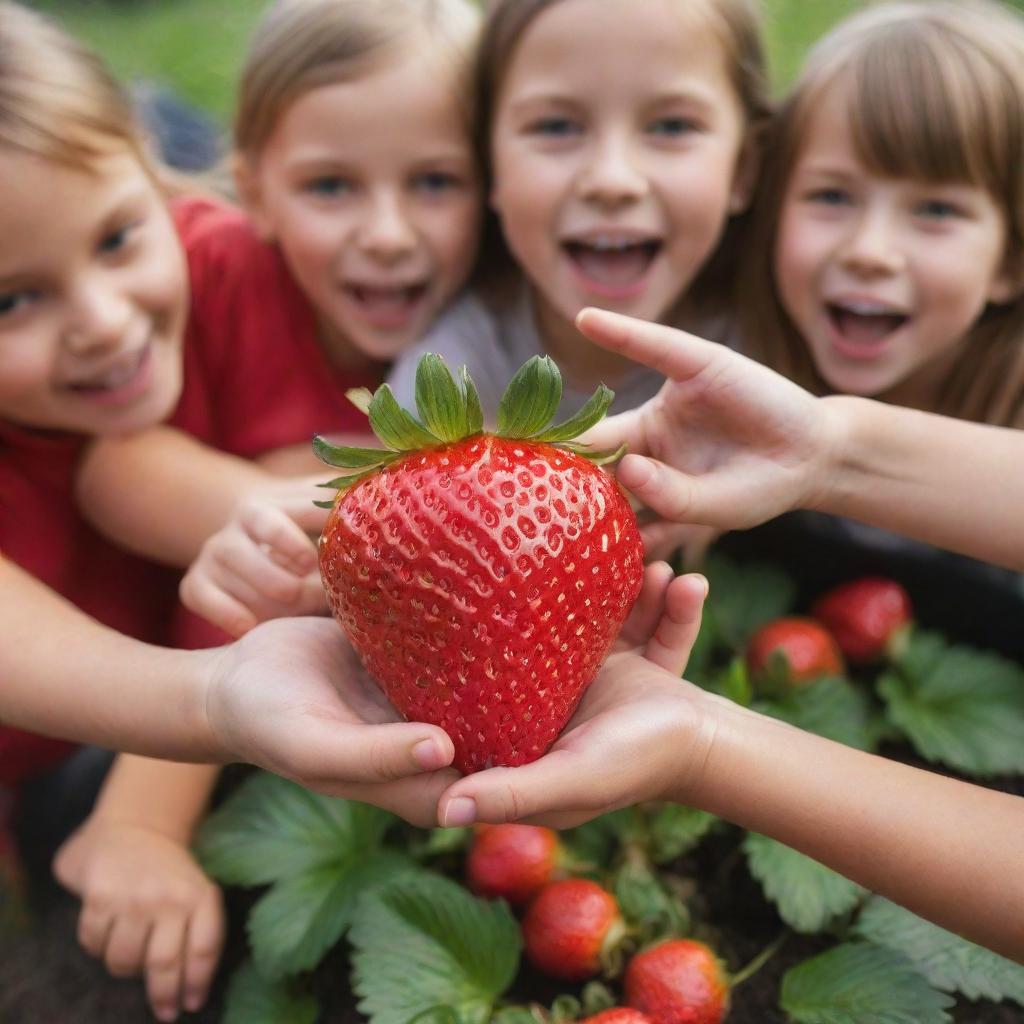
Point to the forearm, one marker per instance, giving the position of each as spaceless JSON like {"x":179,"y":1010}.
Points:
{"x":948,"y":482}
{"x":949,"y":851}
{"x":161,"y":493}
{"x":63,"y":674}
{"x":162,"y":795}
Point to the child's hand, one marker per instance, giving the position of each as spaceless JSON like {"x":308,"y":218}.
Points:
{"x":636,"y":735}
{"x":261,"y":565}
{"x":736,"y":443}
{"x":147,"y":908}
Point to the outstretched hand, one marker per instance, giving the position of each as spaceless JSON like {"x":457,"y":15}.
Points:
{"x":292,"y":697}
{"x":735,"y":443}
{"x":635,"y":736}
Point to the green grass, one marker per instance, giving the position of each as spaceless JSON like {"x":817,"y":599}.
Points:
{"x":197,"y":45}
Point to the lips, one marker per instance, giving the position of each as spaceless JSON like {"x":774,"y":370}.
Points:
{"x":116,"y":378}
{"x":387,"y":306}
{"x":610,"y":263}
{"x":864,"y":327}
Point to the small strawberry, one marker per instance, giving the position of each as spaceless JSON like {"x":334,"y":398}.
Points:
{"x":571,"y":928}
{"x":806,"y":651}
{"x":678,"y":982}
{"x":868,"y":617}
{"x":482,"y":578}
{"x":618,"y":1015}
{"x":512,"y":861}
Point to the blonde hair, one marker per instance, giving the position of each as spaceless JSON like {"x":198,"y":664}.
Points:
{"x":738,"y":26}
{"x":933,"y":92}
{"x":57,"y":99}
{"x":303,"y":44}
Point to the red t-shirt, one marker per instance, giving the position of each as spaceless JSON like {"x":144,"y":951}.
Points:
{"x":41,"y":531}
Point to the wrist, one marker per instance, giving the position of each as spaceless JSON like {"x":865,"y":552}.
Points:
{"x":206,"y":668}
{"x":697,"y":743}
{"x":831,"y":477}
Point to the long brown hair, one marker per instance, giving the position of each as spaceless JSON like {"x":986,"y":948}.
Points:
{"x":934,"y":92}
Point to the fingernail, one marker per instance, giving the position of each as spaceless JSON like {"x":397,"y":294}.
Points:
{"x":428,"y":755}
{"x":193,"y":1001}
{"x":167,"y":1013}
{"x":704,"y":582}
{"x":461,"y":811}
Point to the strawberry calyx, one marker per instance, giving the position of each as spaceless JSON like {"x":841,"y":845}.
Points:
{"x":449,"y":411}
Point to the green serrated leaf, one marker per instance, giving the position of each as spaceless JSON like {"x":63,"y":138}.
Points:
{"x":439,"y":401}
{"x":831,"y":707}
{"x":594,"y":410}
{"x":301,"y":918}
{"x":808,"y":895}
{"x":446,"y":840}
{"x":676,"y":830}
{"x":428,"y":942}
{"x":958,"y":706}
{"x":253,"y":999}
{"x":474,"y":411}
{"x":949,"y":962}
{"x":531,"y":399}
{"x":270,"y":829}
{"x":742,"y":598}
{"x":396,"y":427}
{"x":346,"y":457}
{"x":639,"y":894}
{"x":858,"y":983}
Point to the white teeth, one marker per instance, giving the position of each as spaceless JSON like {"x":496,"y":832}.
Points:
{"x":116,"y":377}
{"x":865,"y":308}
{"x":610,"y":243}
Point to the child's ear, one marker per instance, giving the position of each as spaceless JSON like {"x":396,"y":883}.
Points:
{"x":1008,"y":284}
{"x":250,"y":194}
{"x":748,"y":167}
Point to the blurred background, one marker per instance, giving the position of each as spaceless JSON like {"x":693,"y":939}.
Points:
{"x":195,"y":46}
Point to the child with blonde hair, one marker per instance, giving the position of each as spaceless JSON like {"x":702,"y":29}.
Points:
{"x":355,"y":167}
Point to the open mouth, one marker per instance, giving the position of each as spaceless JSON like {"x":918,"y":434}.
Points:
{"x":121,"y":382}
{"x":864,"y":325}
{"x":387,"y":306}
{"x":612,"y":264}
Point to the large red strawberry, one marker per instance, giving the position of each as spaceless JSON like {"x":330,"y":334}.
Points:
{"x":571,"y":928}
{"x":618,"y":1015}
{"x":512,"y":861}
{"x":482,"y":578}
{"x":678,"y":982}
{"x":800,"y":649}
{"x":868,"y":617}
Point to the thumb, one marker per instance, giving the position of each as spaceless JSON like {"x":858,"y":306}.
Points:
{"x":671,"y":494}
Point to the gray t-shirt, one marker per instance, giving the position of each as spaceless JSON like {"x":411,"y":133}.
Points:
{"x":493,"y":345}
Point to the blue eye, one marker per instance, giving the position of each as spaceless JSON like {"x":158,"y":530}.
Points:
{"x":830,"y":197}
{"x":937,"y":209}
{"x":115,"y":240}
{"x":11,"y":302}
{"x":328,"y":186}
{"x":558,"y":127}
{"x":672,"y":127}
{"x":435,"y":182}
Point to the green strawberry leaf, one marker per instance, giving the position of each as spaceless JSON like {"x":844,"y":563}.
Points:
{"x":301,"y":918}
{"x":440,"y":841}
{"x":599,"y":840}
{"x":345,"y":457}
{"x":594,"y":410}
{"x":675,"y":830}
{"x":252,"y":999}
{"x":742,"y":598}
{"x":439,"y":400}
{"x":949,"y":962}
{"x":531,"y":399}
{"x":397,"y":428}
{"x":858,"y":983}
{"x":426,"y":943}
{"x":958,"y":706}
{"x":596,"y":997}
{"x":808,"y":895}
{"x":644,"y":901}
{"x":518,"y":1015}
{"x":474,"y":412}
{"x":831,"y":707}
{"x":270,"y":829}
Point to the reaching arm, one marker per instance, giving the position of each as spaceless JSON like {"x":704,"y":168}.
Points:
{"x":732,"y":444}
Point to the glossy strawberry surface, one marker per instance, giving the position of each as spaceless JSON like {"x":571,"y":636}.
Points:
{"x":677,"y":982}
{"x":864,"y":615}
{"x":569,"y":926}
{"x":483,"y":583}
{"x":809,"y":650}
{"x":618,"y":1015}
{"x":512,"y":862}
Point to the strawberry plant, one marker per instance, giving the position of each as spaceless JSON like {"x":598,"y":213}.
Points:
{"x":481,"y":577}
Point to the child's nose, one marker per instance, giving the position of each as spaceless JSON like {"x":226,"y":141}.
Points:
{"x":100,"y":319}
{"x":613,"y":178}
{"x":387,"y":232}
{"x":872,"y":247}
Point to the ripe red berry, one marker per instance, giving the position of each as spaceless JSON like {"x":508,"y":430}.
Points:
{"x":512,"y":861}
{"x":678,"y":982}
{"x":809,"y":651}
{"x":618,"y":1015}
{"x":570,"y":927}
{"x":865,"y":616}
{"x":481,"y":578}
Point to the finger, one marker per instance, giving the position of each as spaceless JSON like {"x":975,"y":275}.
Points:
{"x":677,"y":630}
{"x":126,"y":947}
{"x":674,"y":496}
{"x":259,"y":573}
{"x":164,"y":966}
{"x":626,"y":428}
{"x":326,"y":750}
{"x":94,"y":926}
{"x":414,"y":799}
{"x":674,"y":353}
{"x":205,"y":940}
{"x":649,"y":605}
{"x":281,"y":534}
{"x":201,"y":595}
